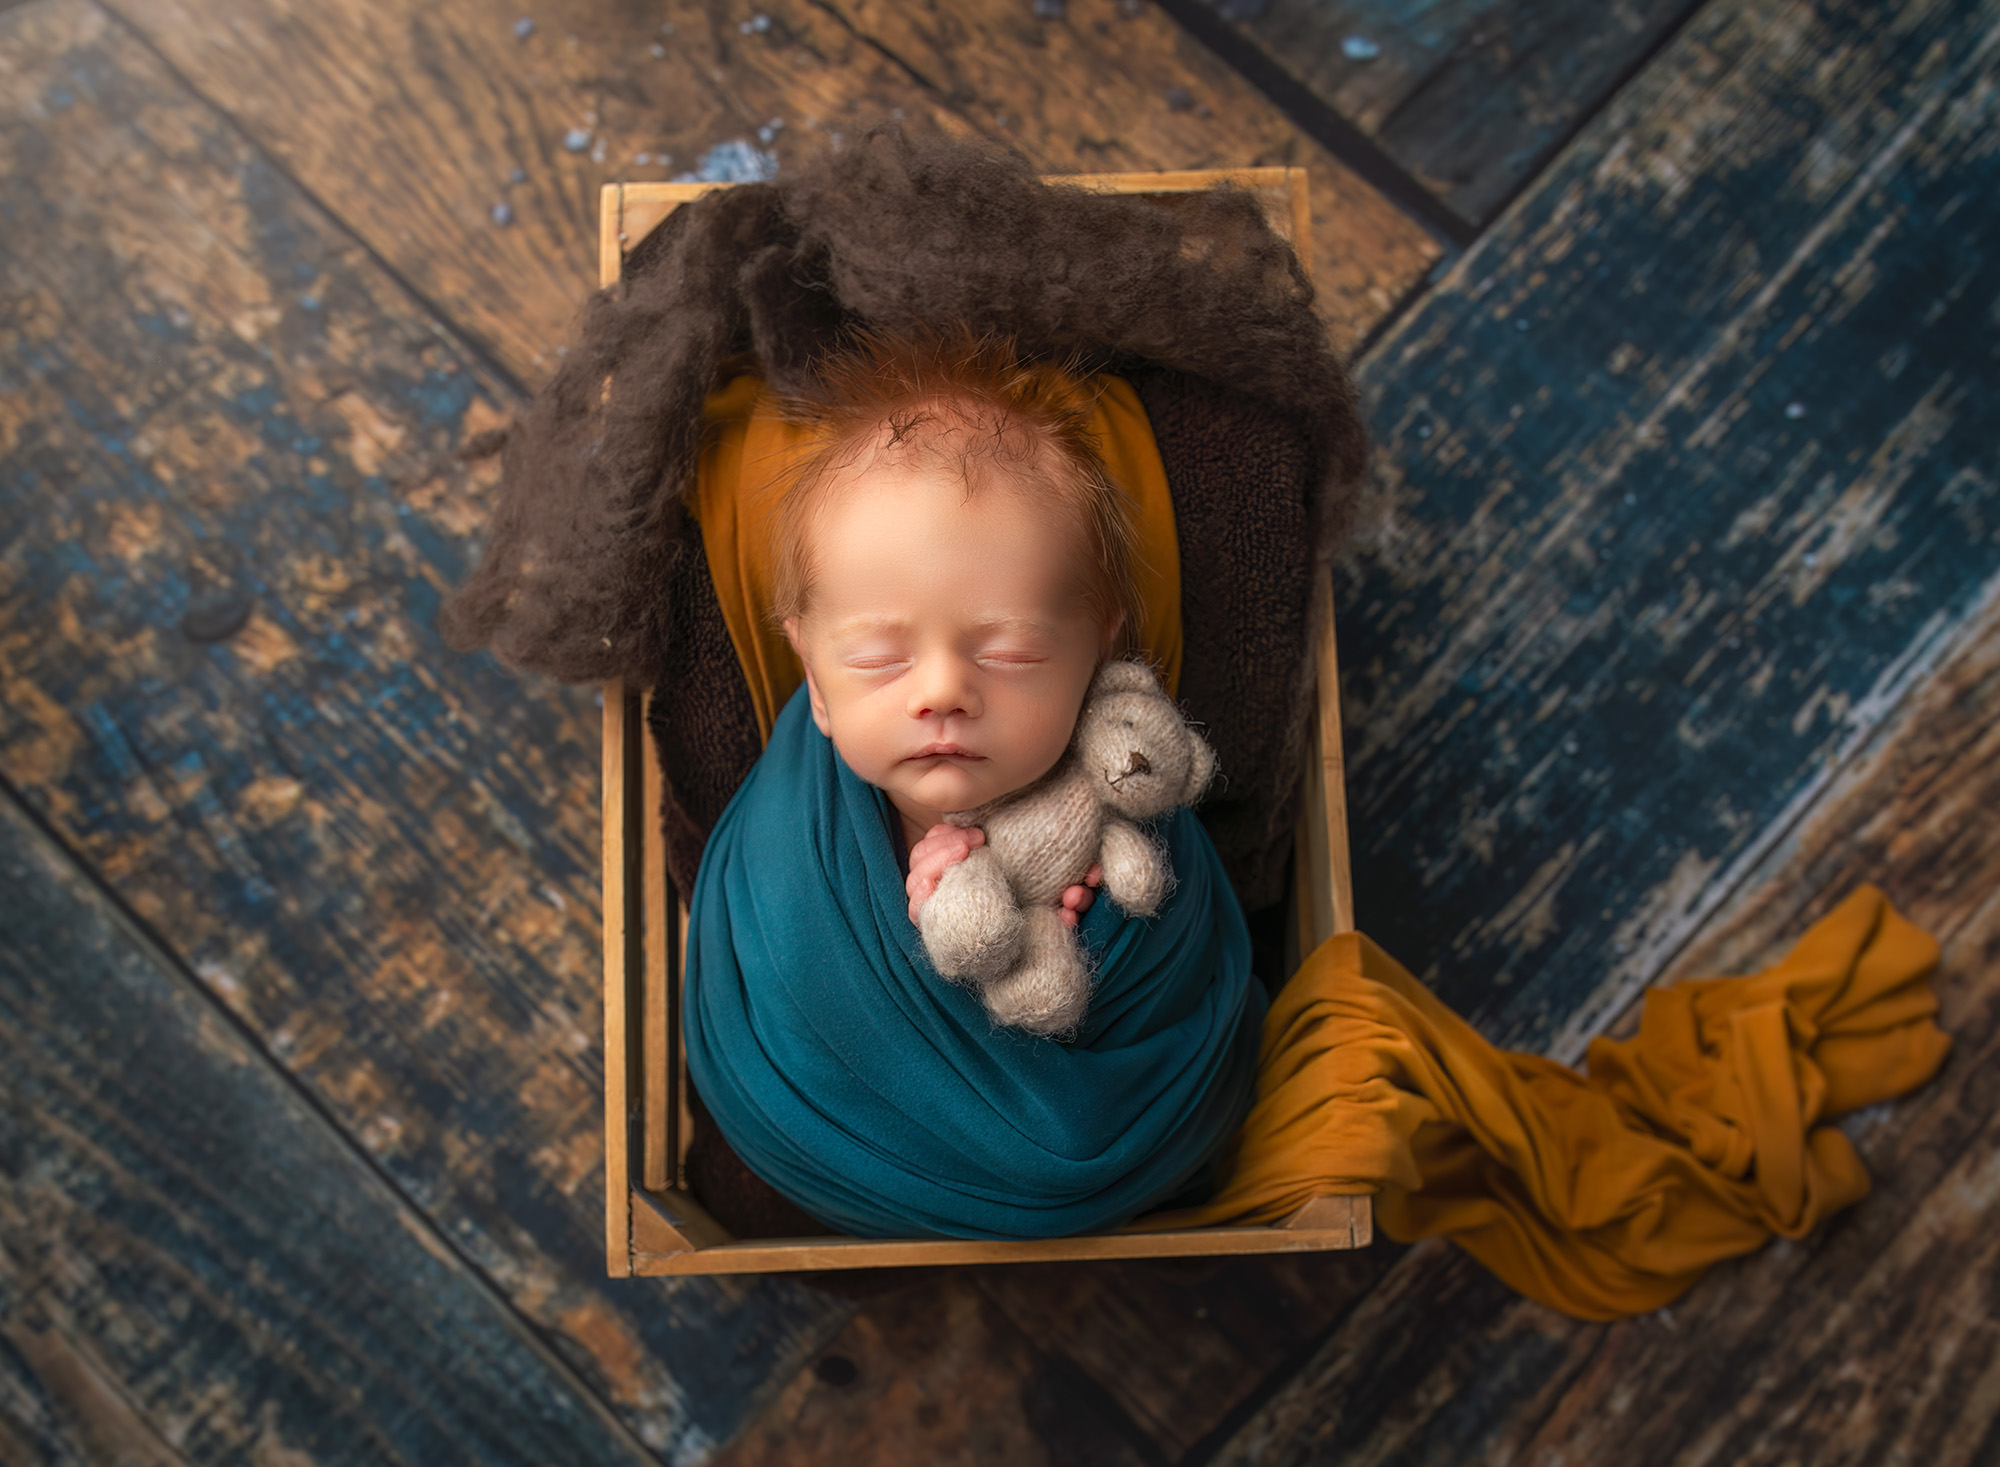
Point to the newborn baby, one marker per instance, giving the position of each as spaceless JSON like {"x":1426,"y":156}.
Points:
{"x":952,"y":587}
{"x":952,"y":565}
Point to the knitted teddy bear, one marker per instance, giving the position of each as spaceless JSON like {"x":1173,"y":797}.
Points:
{"x":992,"y":922}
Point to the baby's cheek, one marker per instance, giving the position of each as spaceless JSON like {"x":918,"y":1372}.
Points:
{"x":1047,"y":729}
{"x":868,"y":752}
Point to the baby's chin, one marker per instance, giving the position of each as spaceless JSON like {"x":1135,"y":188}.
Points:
{"x":948,"y":786}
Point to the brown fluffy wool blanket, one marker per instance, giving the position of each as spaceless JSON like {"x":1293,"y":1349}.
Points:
{"x":595,"y":569}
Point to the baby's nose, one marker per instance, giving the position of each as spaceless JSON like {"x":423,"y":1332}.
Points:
{"x":944,"y":687}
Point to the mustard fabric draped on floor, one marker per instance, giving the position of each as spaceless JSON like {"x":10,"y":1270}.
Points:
{"x":1601,"y":1194}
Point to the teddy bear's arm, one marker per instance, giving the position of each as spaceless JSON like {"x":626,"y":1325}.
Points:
{"x":1135,"y":873}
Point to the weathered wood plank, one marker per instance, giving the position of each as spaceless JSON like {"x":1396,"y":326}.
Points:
{"x":60,"y":1406}
{"x":194,"y":1263}
{"x":934,"y":1374}
{"x":1179,"y":1349}
{"x":1470,"y":96}
{"x":1878,"y":1338}
{"x":1680,"y":471}
{"x":445,"y":103}
{"x":227,"y":513}
{"x":1155,"y":1355}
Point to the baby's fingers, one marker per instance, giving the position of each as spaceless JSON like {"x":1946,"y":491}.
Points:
{"x":942,"y":847}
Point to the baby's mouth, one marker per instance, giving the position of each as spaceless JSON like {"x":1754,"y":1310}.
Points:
{"x":946,"y":751}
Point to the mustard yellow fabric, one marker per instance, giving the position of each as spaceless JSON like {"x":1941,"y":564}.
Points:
{"x":747,"y":445}
{"x":1600,"y":1194}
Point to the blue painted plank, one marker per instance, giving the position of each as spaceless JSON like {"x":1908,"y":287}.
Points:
{"x":1469,"y":96}
{"x":227,"y":513}
{"x":1682,"y":473}
{"x":178,"y":1215}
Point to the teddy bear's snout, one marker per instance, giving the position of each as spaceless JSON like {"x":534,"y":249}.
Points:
{"x":1135,"y":766}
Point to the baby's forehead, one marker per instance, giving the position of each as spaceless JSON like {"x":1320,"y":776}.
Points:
{"x":905,"y":561}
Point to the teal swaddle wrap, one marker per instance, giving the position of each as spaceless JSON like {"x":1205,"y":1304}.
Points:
{"x":880,"y":1097}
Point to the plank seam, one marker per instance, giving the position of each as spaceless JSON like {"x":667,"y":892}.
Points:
{"x":1361,"y":154}
{"x":1216,"y":1440}
{"x":1936,"y":643}
{"x":82,"y":1345}
{"x":886,"y":52}
{"x":441,"y":320}
{"x":1556,"y":146}
{"x":167,"y":957}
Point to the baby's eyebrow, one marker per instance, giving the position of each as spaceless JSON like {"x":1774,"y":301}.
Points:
{"x":1024,"y":625}
{"x":856,"y":626}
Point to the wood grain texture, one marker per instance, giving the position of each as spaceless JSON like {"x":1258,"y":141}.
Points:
{"x":1064,"y":1363}
{"x":1877,"y":1339}
{"x":1681,"y":474}
{"x":227,"y":512}
{"x":939,"y":1376}
{"x":194,"y":1264}
{"x":443,"y":102}
{"x":1471,"y":96}
{"x":694,"y":1243}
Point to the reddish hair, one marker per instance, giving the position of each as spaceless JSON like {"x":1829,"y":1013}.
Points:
{"x":973,"y":403}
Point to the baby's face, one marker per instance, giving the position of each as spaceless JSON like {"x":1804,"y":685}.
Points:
{"x":947,"y":642}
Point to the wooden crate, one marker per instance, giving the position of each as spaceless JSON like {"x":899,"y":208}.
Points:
{"x":652,"y":1224}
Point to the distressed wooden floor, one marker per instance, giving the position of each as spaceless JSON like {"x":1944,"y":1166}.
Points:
{"x":1675,"y":613}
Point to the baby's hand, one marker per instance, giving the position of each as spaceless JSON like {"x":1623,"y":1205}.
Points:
{"x":942,"y":847}
{"x":1076,"y":900}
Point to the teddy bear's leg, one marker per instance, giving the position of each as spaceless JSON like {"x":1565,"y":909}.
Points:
{"x":972,"y":926}
{"x":1135,"y":872}
{"x":1049,"y":991}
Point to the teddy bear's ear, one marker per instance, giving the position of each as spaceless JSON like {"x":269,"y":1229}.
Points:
{"x":1126,"y":676}
{"x":1201,"y":767}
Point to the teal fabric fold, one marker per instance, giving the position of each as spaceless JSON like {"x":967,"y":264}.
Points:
{"x":880,"y":1097}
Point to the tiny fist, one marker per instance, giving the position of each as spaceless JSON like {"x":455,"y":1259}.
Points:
{"x":942,"y":847}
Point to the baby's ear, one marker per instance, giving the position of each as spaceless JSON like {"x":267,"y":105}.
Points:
{"x":817,"y":704}
{"x":1108,"y":644}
